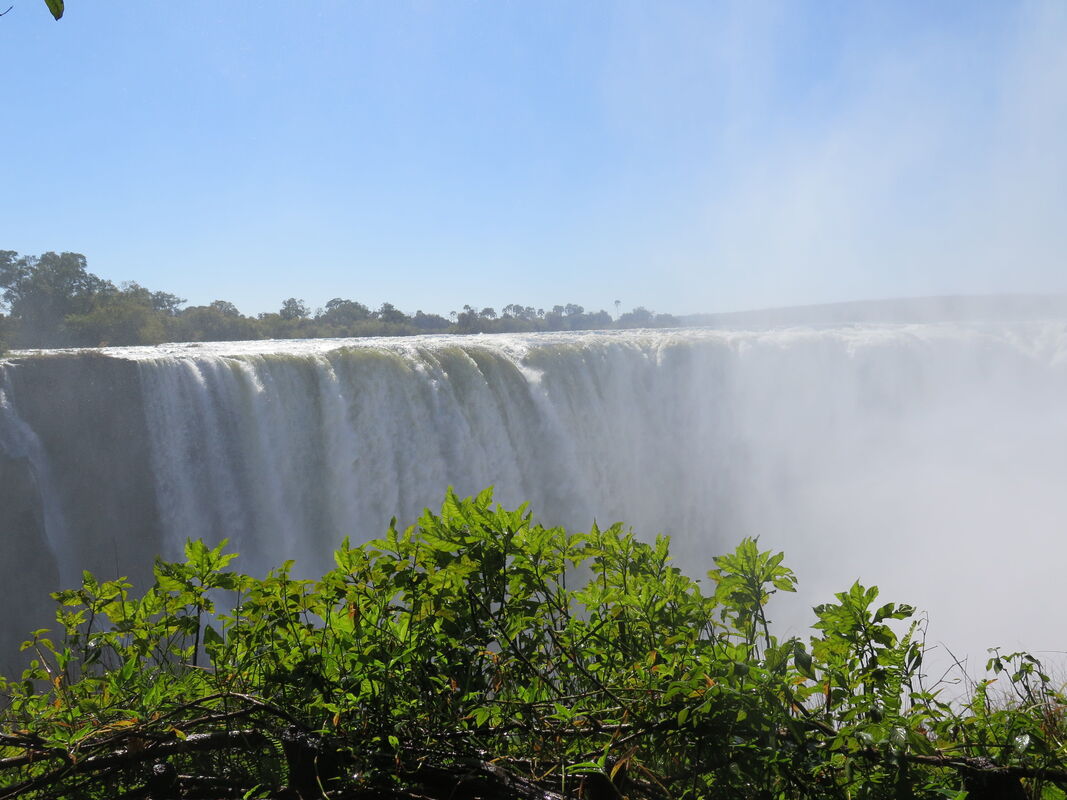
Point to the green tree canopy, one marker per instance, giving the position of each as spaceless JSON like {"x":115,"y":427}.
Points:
{"x":43,"y":291}
{"x":294,"y":309}
{"x":54,"y":301}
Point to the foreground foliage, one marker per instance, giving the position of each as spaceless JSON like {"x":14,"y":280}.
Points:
{"x":478,"y":654}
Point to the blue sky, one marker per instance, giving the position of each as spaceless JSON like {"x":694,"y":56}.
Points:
{"x":683,"y":156}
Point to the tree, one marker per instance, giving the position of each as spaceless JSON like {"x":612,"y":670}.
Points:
{"x":391,"y":314}
{"x":56,"y":301}
{"x":344,"y":312}
{"x":467,"y":320}
{"x":43,"y":291}
{"x":519,"y":311}
{"x":600,"y":319}
{"x":167,"y":303}
{"x":219,"y":321}
{"x":554,"y":318}
{"x":118,"y":320}
{"x":640,"y":317}
{"x":430,"y":322}
{"x":10,"y":273}
{"x":225,"y":307}
{"x":294,"y":309}
{"x":163,"y":302}
{"x":126,"y":316}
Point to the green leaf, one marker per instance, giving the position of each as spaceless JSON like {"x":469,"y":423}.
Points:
{"x":211,"y":636}
{"x":585,"y":768}
{"x":56,"y":7}
{"x":802,"y":660}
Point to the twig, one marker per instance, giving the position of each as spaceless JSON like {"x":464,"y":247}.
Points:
{"x":198,"y":742}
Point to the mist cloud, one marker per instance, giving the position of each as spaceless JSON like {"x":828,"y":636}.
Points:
{"x":863,"y":157}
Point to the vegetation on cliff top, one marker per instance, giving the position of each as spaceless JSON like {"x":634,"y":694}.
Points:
{"x":479,"y":654}
{"x":54,"y":301}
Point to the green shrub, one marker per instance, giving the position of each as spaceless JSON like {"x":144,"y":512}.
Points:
{"x":478,"y":653}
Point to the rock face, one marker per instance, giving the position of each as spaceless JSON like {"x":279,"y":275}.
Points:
{"x":75,"y":488}
{"x":26,"y":568}
{"x":842,"y":445}
{"x":86,"y":412}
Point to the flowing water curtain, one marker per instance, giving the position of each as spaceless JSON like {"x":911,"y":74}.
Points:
{"x":837,"y":444}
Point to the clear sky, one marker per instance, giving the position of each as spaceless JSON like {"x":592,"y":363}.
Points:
{"x":683,"y":156}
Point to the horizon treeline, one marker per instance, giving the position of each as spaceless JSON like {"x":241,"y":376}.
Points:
{"x":52,"y":300}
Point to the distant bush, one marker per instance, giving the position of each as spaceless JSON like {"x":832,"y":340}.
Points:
{"x":479,"y":654}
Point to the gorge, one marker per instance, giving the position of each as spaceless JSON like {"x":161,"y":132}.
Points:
{"x":927,"y":458}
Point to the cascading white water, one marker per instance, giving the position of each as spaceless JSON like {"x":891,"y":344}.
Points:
{"x":287,"y":451}
{"x":931,"y":459}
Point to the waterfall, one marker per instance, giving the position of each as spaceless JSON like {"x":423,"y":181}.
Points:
{"x":928,"y":458}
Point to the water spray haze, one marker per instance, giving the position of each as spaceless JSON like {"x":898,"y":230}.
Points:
{"x":859,"y":154}
{"x":929,"y":460}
